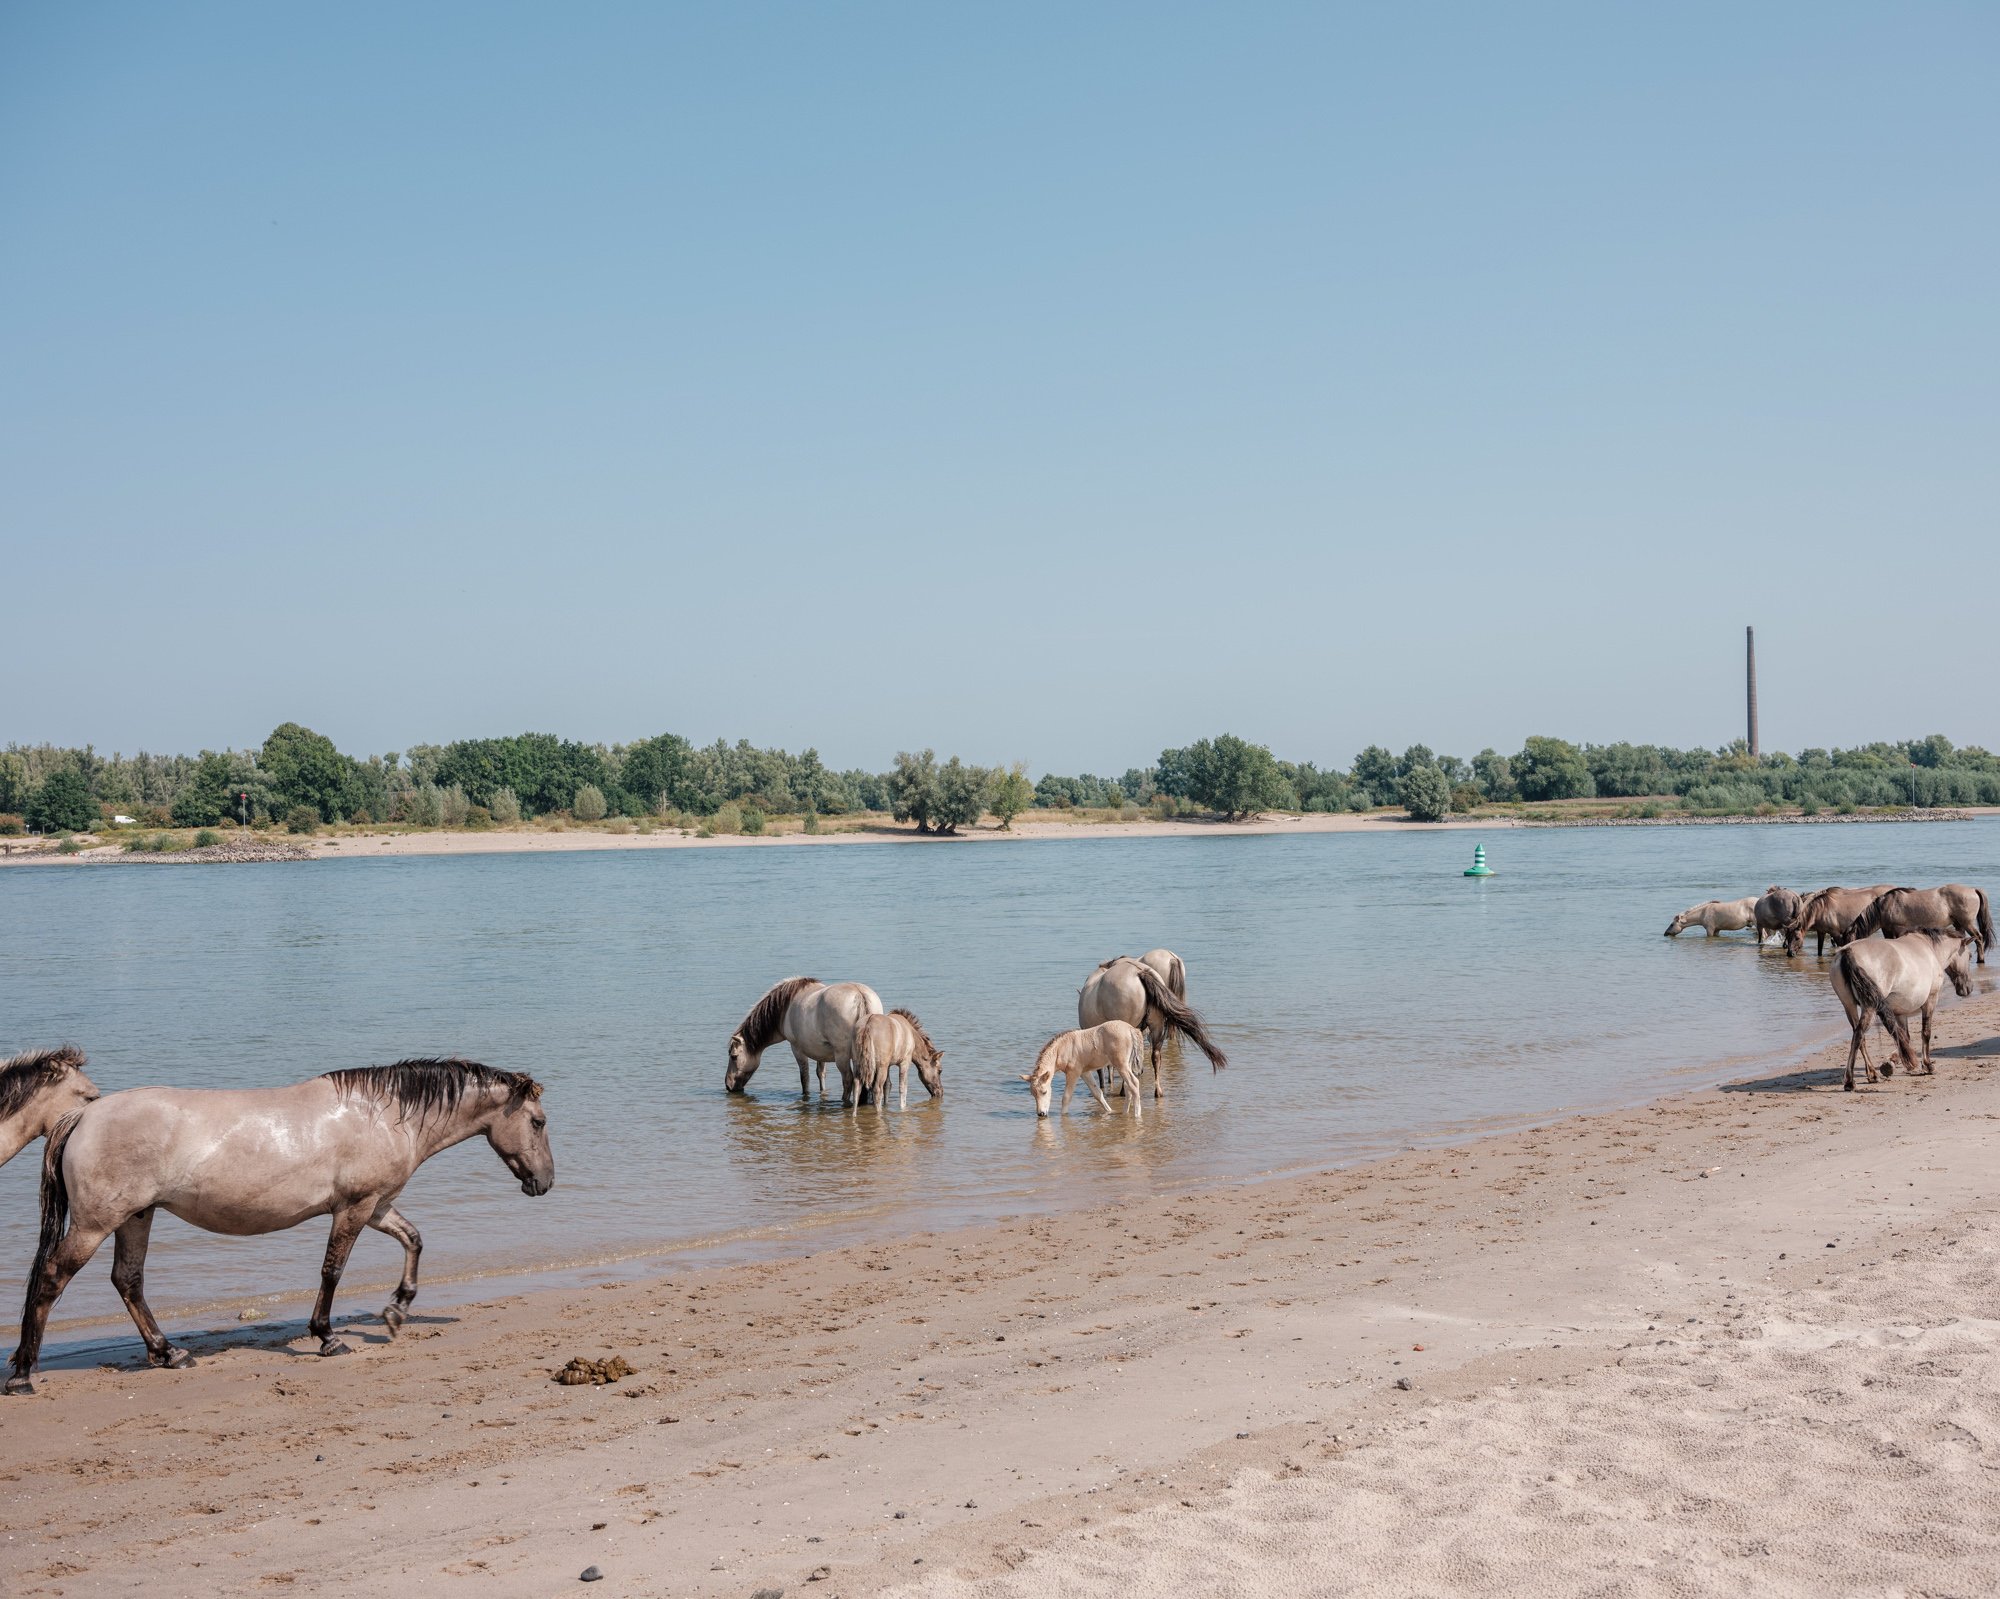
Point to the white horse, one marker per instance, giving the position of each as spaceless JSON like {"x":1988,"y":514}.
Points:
{"x":250,"y":1161}
{"x":1892,"y":978}
{"x":1148,"y":993}
{"x":38,"y":1089}
{"x":896,"y":1039}
{"x":1110,"y":1046}
{"x":820,"y":1021}
{"x":1718,"y":916}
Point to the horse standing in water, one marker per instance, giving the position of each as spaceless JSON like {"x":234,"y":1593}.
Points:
{"x":1777,"y":907}
{"x":1717,"y":916}
{"x":821,"y":1022}
{"x":896,"y":1039}
{"x":1828,"y":914}
{"x":1136,"y":992}
{"x":250,"y":1161}
{"x":38,"y":1088}
{"x":1892,"y":978}
{"x":1955,"y":908}
{"x":1110,"y":1046}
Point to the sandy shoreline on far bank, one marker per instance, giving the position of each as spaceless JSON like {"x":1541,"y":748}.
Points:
{"x":1741,"y":1339}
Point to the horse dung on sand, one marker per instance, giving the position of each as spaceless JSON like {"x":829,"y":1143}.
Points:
{"x":251,"y":1161}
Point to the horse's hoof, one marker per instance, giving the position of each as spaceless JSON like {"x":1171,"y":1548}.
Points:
{"x":24,"y":1386}
{"x":177,"y":1359}
{"x":330,"y":1345}
{"x":393,"y":1318}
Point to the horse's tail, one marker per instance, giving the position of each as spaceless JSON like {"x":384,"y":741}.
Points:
{"x":1869,"y":921}
{"x":1869,"y":996}
{"x":55,"y":1225}
{"x":1985,"y":920}
{"x":1180,"y":1016}
{"x":1177,"y":978}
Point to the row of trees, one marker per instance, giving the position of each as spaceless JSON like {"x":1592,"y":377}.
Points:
{"x":300,"y":775}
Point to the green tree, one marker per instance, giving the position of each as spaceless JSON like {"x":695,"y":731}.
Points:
{"x":505,"y":808}
{"x":304,"y":769}
{"x":1375,"y":775}
{"x":1426,"y":794}
{"x":62,"y":803}
{"x":589,"y":803}
{"x":210,"y":793}
{"x":913,"y":789}
{"x":1235,"y":777}
{"x":961,"y":795}
{"x":1552,"y":769}
{"x":1494,"y":774}
{"x":1012,"y":794}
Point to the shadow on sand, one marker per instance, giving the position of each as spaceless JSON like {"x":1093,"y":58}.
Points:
{"x":127,"y":1353}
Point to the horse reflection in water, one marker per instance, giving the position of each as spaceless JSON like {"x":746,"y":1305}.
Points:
{"x":250,"y":1161}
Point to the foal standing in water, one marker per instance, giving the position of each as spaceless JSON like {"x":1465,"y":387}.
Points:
{"x":254,"y":1161}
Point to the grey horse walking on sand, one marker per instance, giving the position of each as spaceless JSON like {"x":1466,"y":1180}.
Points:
{"x":1955,"y":908}
{"x":821,"y":1021}
{"x":1140,"y":993}
{"x":250,"y":1161}
{"x":1892,"y":978}
{"x":38,"y":1088}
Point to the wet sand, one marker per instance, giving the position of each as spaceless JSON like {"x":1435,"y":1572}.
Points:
{"x":1739,"y":1340}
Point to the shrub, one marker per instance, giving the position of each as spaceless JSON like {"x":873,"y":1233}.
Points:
{"x":753,"y":820}
{"x":68,"y":846}
{"x":505,"y":806}
{"x":1012,"y":793}
{"x":1426,"y":793}
{"x":811,"y":822}
{"x":1128,"y":812}
{"x":454,"y":806}
{"x":1809,"y":806}
{"x":1467,"y":797}
{"x":423,"y":806}
{"x":207,"y":838}
{"x":302,"y":819}
{"x":589,"y":805}
{"x":1166,"y":807}
{"x":727,"y":819}
{"x":226,"y":822}
{"x":12,"y":825}
{"x":478,"y":817}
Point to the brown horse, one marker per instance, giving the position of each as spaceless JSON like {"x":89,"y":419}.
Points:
{"x":1955,"y":908}
{"x":1777,"y":907}
{"x":250,"y":1161}
{"x":1892,"y":978}
{"x":896,"y":1039}
{"x":1827,"y":914}
{"x":1135,"y":991}
{"x":38,"y":1088}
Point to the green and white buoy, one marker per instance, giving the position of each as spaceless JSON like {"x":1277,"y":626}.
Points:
{"x":1479,"y":868}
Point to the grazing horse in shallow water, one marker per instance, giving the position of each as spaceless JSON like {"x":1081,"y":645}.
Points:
{"x":1717,"y":915}
{"x":1892,"y":978}
{"x":1955,"y":908}
{"x":1828,"y":914}
{"x":250,"y":1161}
{"x":1777,"y":907}
{"x":1110,"y":1046}
{"x":38,"y":1088}
{"x":819,"y":1020}
{"x":896,"y":1039}
{"x":1138,"y":992}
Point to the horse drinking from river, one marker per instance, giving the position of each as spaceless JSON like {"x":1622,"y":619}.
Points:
{"x":250,"y":1161}
{"x":821,"y":1022}
{"x":1892,"y":978}
{"x":1137,"y":992}
{"x":1717,"y":916}
{"x":896,"y":1039}
{"x":1110,"y":1046}
{"x":1955,"y":908}
{"x":1828,"y":914}
{"x":38,"y":1088}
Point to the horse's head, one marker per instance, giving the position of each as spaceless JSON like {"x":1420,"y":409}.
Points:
{"x":1959,"y":968}
{"x":743,"y":1061}
{"x":1040,"y":1084}
{"x":930,"y":1071}
{"x":520,"y":1137}
{"x":1677,"y":924}
{"x":77,"y":1091}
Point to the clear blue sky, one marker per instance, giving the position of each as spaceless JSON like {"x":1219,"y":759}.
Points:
{"x":1048,"y":382}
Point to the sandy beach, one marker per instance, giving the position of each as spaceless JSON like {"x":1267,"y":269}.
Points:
{"x":1741,"y":1339}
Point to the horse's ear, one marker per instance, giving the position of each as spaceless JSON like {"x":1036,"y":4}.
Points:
{"x":1027,"y":1077}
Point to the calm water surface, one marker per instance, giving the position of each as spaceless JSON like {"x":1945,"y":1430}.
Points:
{"x":1368,"y":995}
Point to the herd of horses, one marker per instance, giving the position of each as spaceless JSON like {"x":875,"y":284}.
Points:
{"x":1895,"y":949}
{"x":249,"y":1161}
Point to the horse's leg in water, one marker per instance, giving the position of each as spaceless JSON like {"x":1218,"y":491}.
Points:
{"x":347,"y":1225}
{"x":1098,"y":1093}
{"x":902,"y":1084}
{"x":1158,"y":1040}
{"x":1132,"y":1070}
{"x":1069,"y":1087}
{"x":128,"y":1276}
{"x":67,"y":1259}
{"x":805,"y":1068}
{"x":388,"y":1219}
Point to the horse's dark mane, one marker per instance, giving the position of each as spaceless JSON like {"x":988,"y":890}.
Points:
{"x":430,"y":1086}
{"x":760,"y":1028}
{"x":910,"y":1016}
{"x":23,"y":1074}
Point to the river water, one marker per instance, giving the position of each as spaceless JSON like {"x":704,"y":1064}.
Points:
{"x":1370,"y":997}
